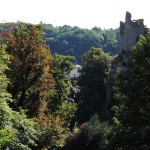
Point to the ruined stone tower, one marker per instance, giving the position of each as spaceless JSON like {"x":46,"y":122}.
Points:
{"x":130,"y":31}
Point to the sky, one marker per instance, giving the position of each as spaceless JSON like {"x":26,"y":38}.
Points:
{"x":82,"y":13}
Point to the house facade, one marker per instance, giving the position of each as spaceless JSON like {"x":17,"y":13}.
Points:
{"x":75,"y":73}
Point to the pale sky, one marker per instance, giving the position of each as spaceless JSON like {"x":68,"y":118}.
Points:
{"x":83,"y":13}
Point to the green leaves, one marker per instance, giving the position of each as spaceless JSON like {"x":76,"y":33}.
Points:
{"x":30,"y":66}
{"x":132,"y":92}
{"x":94,"y":74}
{"x":6,"y":136}
{"x":15,"y":129}
{"x":67,"y":109}
{"x":63,"y":64}
{"x":25,"y":131}
{"x":75,"y":41}
{"x":132,"y":85}
{"x":62,"y":67}
{"x":99,"y":132}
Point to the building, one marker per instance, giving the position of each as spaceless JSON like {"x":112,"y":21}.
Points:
{"x":75,"y":73}
{"x":130,"y":32}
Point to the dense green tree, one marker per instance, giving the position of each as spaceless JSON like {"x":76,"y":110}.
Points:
{"x":99,"y":133}
{"x":95,"y":68}
{"x":31,"y":75}
{"x":5,"y":112}
{"x":61,"y":103}
{"x":62,"y":67}
{"x":62,"y":110}
{"x":30,"y":67}
{"x":92,"y":135}
{"x":132,"y":92}
{"x":16,"y":131}
{"x":75,"y":41}
{"x":32,"y":88}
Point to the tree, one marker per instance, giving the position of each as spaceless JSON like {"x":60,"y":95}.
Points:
{"x":5,"y":112}
{"x":61,"y":103}
{"x":30,"y":68}
{"x":132,"y":92}
{"x":16,"y":131}
{"x":62,"y":67}
{"x":32,"y":85}
{"x":75,"y":41}
{"x":62,"y":110}
{"x":92,"y":135}
{"x":94,"y":74}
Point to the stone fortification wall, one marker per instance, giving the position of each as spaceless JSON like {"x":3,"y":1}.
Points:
{"x":130,"y":32}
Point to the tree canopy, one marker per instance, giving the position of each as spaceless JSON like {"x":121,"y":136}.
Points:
{"x":75,"y":41}
{"x":30,"y":66}
{"x":95,"y":68}
{"x":42,"y":108}
{"x":16,"y":131}
{"x":132,"y":92}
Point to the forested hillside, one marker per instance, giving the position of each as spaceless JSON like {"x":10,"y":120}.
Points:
{"x":41,"y":108}
{"x":75,"y":41}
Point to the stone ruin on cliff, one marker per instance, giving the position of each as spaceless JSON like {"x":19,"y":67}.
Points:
{"x":130,"y":32}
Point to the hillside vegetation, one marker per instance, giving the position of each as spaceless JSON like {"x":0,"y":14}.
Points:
{"x":75,"y":41}
{"x":41,"y":108}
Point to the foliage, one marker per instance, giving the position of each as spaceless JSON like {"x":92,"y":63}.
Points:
{"x":129,"y":139}
{"x":67,"y":109}
{"x":92,"y":135}
{"x":99,"y":133}
{"x":25,"y":136}
{"x":132,"y":92}
{"x":62,"y":67}
{"x":16,"y":131}
{"x":133,"y":99}
{"x":30,"y":68}
{"x":95,"y":68}
{"x":19,"y":132}
{"x":31,"y":78}
{"x":5,"y":112}
{"x":6,"y":136}
{"x":60,"y":101}
{"x":54,"y":134}
{"x":63,"y":64}
{"x":76,"y":41}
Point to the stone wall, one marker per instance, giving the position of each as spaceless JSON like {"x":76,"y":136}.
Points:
{"x":130,"y":32}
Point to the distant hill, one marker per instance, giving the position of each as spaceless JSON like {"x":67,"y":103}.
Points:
{"x":76,"y":41}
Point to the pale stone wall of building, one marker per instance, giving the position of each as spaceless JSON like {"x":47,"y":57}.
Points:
{"x":75,"y":73}
{"x":130,"y":32}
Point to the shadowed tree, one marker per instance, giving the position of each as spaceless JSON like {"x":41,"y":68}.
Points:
{"x":94,"y":74}
{"x":132,"y":92}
